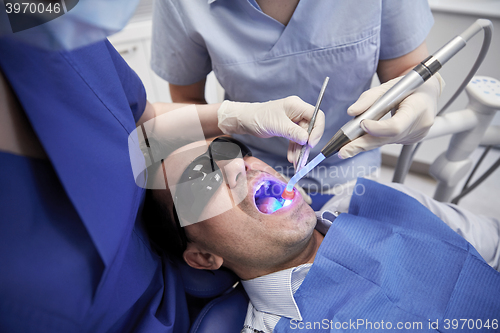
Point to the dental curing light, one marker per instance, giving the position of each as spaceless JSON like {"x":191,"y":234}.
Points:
{"x":288,"y":192}
{"x":288,"y":195}
{"x":411,"y":81}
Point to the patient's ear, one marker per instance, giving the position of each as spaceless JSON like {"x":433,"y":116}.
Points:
{"x":200,"y":259}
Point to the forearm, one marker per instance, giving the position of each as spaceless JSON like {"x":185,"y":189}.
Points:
{"x":207,"y":115}
{"x":171,"y":125}
{"x":189,"y":94}
{"x":393,"y":68}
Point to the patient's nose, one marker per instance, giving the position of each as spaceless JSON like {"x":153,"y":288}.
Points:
{"x":234,"y":171}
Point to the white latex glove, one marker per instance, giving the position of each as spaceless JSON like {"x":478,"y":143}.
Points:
{"x":288,"y":117}
{"x":409,"y":124}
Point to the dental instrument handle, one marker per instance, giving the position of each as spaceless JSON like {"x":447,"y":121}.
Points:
{"x":303,"y":150}
{"x":404,"y":87}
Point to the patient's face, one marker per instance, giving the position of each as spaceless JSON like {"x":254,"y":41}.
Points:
{"x":245,"y":233}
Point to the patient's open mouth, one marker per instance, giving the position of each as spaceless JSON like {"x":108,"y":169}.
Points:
{"x":268,"y":196}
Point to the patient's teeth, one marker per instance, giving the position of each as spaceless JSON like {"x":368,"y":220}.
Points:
{"x":269,"y":205}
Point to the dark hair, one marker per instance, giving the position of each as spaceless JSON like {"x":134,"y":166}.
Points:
{"x":162,"y":225}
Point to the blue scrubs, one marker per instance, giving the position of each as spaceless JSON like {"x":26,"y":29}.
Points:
{"x":256,"y":59}
{"x":73,"y":254}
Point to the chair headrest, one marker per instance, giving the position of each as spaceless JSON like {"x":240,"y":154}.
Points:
{"x":223,"y":314}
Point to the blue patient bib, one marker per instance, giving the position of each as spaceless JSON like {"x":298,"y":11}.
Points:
{"x":390,"y":264}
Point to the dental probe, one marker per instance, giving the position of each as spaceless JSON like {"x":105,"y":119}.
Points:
{"x":404,"y":87}
{"x":304,"y":151}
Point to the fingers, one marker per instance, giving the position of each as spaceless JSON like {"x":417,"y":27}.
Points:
{"x":305,"y":157}
{"x":318,"y":129}
{"x":369,"y":97}
{"x":296,"y":109}
{"x":408,"y":125}
{"x":294,"y":147}
{"x":301,"y":113}
{"x":364,"y":102}
{"x":414,"y":116}
{"x":361,"y":144}
{"x":293,"y":153}
{"x":316,"y":133}
{"x":295,"y":133}
{"x":394,"y":126}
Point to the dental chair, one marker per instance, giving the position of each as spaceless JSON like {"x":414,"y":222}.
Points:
{"x":470,"y":128}
{"x":216,"y":299}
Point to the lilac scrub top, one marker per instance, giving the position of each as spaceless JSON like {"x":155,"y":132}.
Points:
{"x":256,"y":59}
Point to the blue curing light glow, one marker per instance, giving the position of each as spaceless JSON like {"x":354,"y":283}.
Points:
{"x":305,"y":170}
{"x":275,"y":205}
{"x":268,"y":197}
{"x":270,"y":204}
{"x":278,"y":204}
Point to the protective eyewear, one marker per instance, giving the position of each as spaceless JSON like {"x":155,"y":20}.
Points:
{"x":203,"y":177}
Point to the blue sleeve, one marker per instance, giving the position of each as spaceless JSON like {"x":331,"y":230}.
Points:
{"x":131,"y":83}
{"x":405,"y":25}
{"x":175,"y":54}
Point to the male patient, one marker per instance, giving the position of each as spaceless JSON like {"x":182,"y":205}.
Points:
{"x":389,"y":263}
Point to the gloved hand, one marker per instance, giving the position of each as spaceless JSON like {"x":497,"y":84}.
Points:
{"x":409,"y":124}
{"x":288,"y":117}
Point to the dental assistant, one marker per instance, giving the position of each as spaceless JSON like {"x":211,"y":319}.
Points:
{"x":73,"y":253}
{"x":267,"y":49}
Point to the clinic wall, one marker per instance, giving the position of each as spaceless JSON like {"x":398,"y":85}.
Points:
{"x":134,"y":45}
